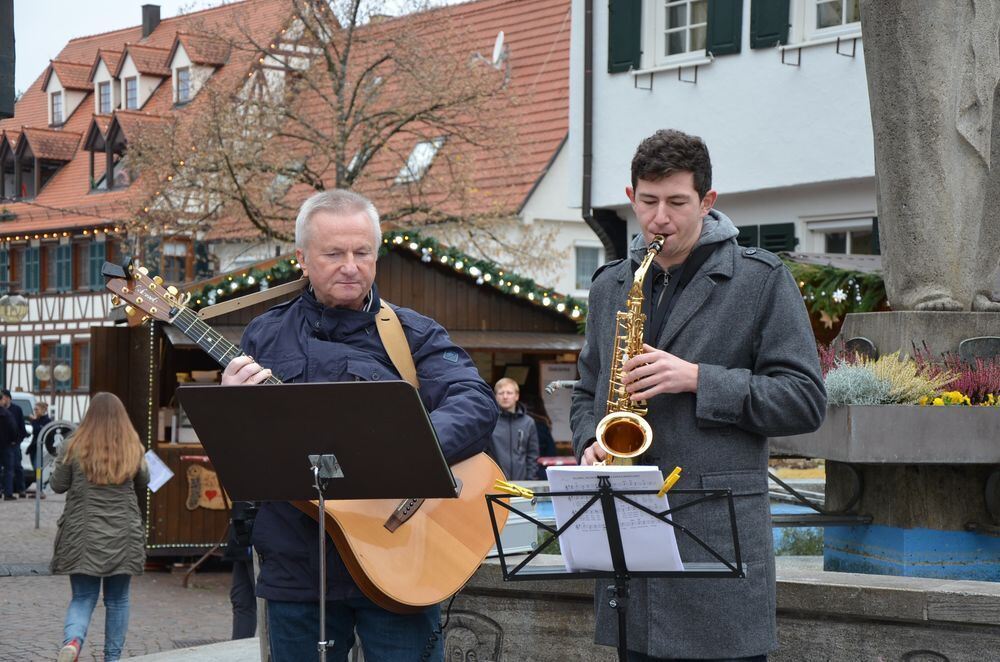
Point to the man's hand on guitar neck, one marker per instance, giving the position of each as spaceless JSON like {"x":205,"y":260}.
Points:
{"x":244,"y":370}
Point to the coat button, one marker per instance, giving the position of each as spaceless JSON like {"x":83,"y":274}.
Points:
{"x":750,"y":251}
{"x":375,"y":377}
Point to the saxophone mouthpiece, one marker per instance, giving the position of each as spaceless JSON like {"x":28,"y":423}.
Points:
{"x":657,"y":243}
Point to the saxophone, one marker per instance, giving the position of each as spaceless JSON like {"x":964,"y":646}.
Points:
{"x":624,"y":433}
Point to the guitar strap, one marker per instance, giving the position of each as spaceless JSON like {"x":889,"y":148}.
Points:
{"x":394,"y":340}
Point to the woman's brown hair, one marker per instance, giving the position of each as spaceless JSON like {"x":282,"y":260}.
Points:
{"x":106,"y":445}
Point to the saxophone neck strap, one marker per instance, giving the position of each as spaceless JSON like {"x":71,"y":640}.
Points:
{"x":394,"y":340}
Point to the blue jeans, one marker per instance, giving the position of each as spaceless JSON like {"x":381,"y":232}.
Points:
{"x":85,"y":591}
{"x":385,"y":636}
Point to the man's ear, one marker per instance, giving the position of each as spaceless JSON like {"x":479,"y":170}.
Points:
{"x":709,"y":201}
{"x":302,"y":263}
{"x":630,"y":192}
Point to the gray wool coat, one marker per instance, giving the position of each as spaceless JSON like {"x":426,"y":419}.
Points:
{"x":741,"y":318}
{"x":100,"y":531}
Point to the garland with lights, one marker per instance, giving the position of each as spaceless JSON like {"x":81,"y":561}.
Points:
{"x":832,"y":293}
{"x":483,"y":272}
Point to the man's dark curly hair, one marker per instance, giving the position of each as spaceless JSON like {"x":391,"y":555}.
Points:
{"x":668,"y":151}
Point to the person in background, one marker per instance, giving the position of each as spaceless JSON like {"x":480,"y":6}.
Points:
{"x":240,"y":552}
{"x":9,"y":452}
{"x":514,"y":445}
{"x":17,"y":474}
{"x":38,"y":422}
{"x":100,"y":540}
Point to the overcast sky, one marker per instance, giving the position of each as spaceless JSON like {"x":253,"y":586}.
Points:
{"x":42,"y":27}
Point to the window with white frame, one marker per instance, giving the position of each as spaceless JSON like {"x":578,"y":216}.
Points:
{"x":57,"y":108}
{"x":588,"y":259}
{"x":830,"y":18}
{"x":419,"y":161}
{"x":849,"y":236}
{"x":681,"y":28}
{"x":104,"y":97}
{"x":183,"y":85}
{"x":132,"y":93}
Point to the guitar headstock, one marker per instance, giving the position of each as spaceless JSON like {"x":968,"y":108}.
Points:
{"x":145,"y":294}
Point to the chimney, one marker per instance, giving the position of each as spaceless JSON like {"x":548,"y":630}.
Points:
{"x":150,"y":19}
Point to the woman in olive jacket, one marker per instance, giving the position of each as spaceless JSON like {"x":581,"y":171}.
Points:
{"x":101,"y":537}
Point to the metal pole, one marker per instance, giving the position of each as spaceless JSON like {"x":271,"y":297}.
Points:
{"x":39,"y":444}
{"x":322,"y":643}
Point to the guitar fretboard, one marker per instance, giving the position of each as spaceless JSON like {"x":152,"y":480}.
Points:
{"x":210,"y":340}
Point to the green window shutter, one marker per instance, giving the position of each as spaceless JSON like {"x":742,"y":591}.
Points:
{"x":624,"y":31}
{"x":32,"y":269}
{"x":748,"y":236}
{"x":725,"y":26}
{"x":95,"y":260}
{"x":778,"y":237}
{"x":768,"y":23}
{"x":64,"y":268}
{"x":876,"y":244}
{"x":3,"y":366}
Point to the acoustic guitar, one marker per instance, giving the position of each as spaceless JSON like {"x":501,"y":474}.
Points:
{"x":404,"y":556}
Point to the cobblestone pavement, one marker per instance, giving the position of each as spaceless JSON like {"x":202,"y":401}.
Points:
{"x":164,"y":615}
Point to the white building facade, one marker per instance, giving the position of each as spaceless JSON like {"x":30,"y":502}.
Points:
{"x":777,"y":90}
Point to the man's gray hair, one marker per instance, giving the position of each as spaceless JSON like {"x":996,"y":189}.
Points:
{"x":340,"y":203}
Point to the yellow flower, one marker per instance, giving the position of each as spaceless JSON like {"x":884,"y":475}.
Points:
{"x":938,"y":402}
{"x":923,"y":400}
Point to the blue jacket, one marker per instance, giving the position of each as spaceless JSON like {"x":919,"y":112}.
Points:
{"x":304,"y":341}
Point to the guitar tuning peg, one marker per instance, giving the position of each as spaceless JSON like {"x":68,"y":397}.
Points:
{"x":130,"y":311}
{"x":172,"y":291}
{"x":116,"y":300}
{"x":144,"y":271}
{"x":157,"y":280}
{"x":145,"y":318}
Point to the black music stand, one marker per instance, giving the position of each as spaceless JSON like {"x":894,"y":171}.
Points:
{"x":618,"y":593}
{"x":292,"y":442}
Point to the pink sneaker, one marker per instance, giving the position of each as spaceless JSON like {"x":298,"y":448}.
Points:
{"x":70,"y":652}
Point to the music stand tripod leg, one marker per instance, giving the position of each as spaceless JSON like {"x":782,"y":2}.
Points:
{"x":324,"y":467}
{"x":618,"y":594}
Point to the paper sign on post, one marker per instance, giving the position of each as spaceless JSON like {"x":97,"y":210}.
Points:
{"x":649,"y":544}
{"x":159,"y":473}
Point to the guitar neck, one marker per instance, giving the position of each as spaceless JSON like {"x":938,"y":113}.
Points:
{"x":210,"y":340}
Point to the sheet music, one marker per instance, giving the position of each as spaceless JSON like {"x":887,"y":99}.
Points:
{"x":159,"y":473}
{"x":649,"y":544}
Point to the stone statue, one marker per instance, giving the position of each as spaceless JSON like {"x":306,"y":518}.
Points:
{"x":933,"y":72}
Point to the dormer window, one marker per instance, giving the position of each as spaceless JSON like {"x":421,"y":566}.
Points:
{"x":419,"y":161}
{"x":131,"y":93}
{"x":183,"y":85}
{"x":104,"y":97}
{"x":57,"y":108}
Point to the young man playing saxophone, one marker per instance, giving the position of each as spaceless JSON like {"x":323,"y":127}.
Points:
{"x":729,"y":360}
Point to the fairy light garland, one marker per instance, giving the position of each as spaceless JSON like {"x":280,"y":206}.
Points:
{"x":483,"y":272}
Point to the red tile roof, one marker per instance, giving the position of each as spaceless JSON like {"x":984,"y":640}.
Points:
{"x":148,"y":60}
{"x":50,"y":144}
{"x":72,"y":75}
{"x":67,"y":201}
{"x":201,"y":49}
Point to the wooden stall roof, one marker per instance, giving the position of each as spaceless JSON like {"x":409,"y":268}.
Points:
{"x":477,"y":317}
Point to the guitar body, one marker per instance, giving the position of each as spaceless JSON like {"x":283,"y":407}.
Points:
{"x":431,"y":555}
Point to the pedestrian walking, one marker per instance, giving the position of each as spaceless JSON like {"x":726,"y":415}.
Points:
{"x":100,"y":538}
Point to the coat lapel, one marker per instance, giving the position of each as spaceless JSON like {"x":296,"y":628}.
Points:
{"x":694,"y":296}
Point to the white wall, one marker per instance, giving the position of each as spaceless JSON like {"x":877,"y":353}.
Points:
{"x":103,"y":75}
{"x":233,"y":255}
{"x":199,"y":73}
{"x":767,"y":125}
{"x":147,"y":84}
